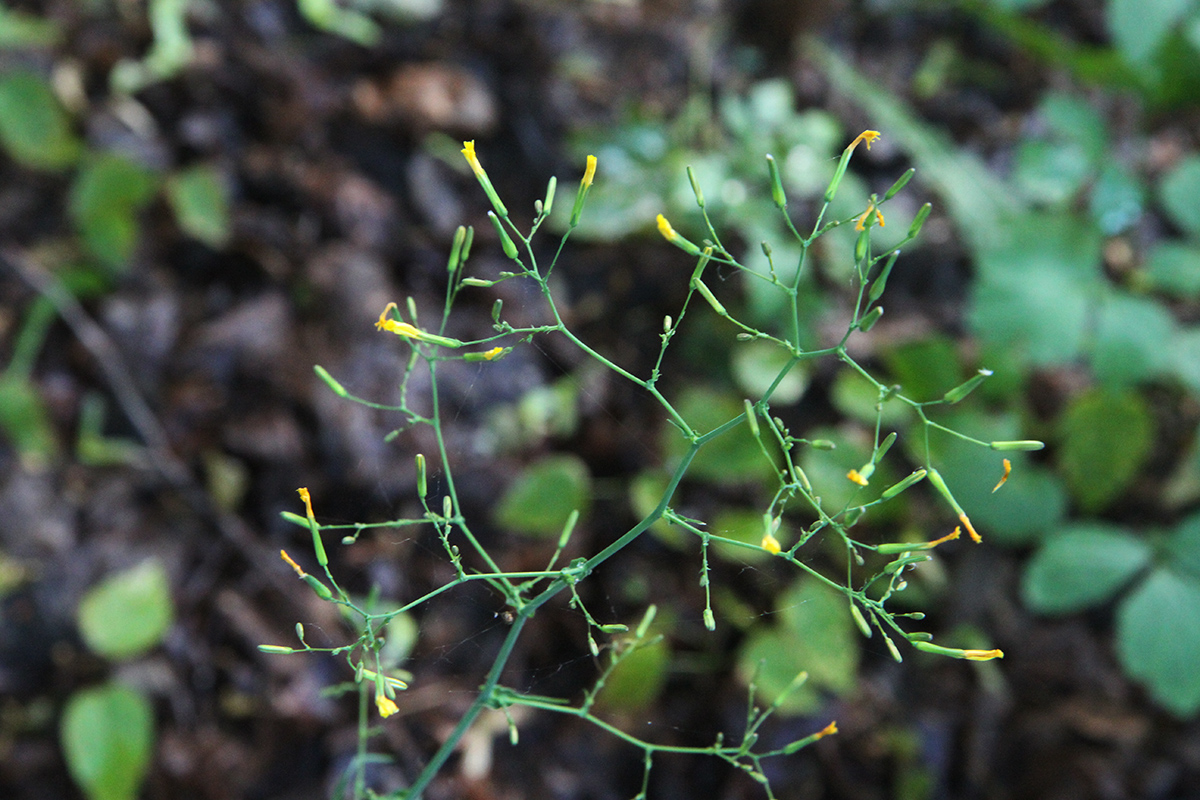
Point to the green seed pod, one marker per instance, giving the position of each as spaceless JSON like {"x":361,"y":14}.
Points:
{"x":411,"y":304}
{"x":568,"y":528}
{"x":900,"y":183}
{"x":321,"y":589}
{"x":614,"y":627}
{"x":421,"y":486}
{"x":777,"y":193}
{"x":751,"y":418}
{"x":329,"y":380}
{"x":447,"y":507}
{"x":868,"y":321}
{"x":466,"y":248}
{"x":300,"y":632}
{"x":898,"y":487}
{"x":884,"y":446}
{"x":920,"y":636}
{"x":710,"y":623}
{"x":860,"y":621}
{"x":963,"y":389}
{"x":766,"y":248}
{"x":506,"y":242}
{"x":1019,"y":444}
{"x":822,"y":444}
{"x":695,"y":187}
{"x":892,"y":649}
{"x":860,"y":245}
{"x":707,"y":294}
{"x":460,"y":236}
{"x":497,"y":307}
{"x":880,"y":283}
{"x":480,"y":282}
{"x":647,"y":620}
{"x":919,"y":220}
{"x":838,"y":174}
{"x":548,"y":203}
{"x":274,"y":648}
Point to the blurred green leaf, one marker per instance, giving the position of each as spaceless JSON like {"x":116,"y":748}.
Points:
{"x":732,"y":458}
{"x":127,"y":613}
{"x":638,"y":679}
{"x":1138,"y":27}
{"x":1130,"y":332}
{"x":19,"y":29}
{"x":814,"y":634}
{"x":926,"y":369}
{"x":26,"y":421}
{"x":201,"y":204}
{"x":1185,"y":355}
{"x":756,"y":365}
{"x":1183,"y":548}
{"x":108,"y":738}
{"x":105,"y":201}
{"x":1106,"y":437}
{"x":1158,"y":639}
{"x":542,"y":497}
{"x":743,"y":525}
{"x":1117,"y":200}
{"x":1174,"y":267}
{"x":1082,"y":566}
{"x":34,"y":127}
{"x":1050,"y":173}
{"x":1179,"y":191}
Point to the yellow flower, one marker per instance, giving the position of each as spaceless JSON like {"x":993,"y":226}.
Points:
{"x":491,"y":354}
{"x":982,"y":655}
{"x":299,"y":572}
{"x":975,"y":537}
{"x":861,"y":223}
{"x":386,"y":705}
{"x":949,"y":537}
{"x":590,"y":171}
{"x":866,"y":137}
{"x":469,"y":152}
{"x":1004,"y":477}
{"x":771,"y":544}
{"x":856,"y":476}
{"x":828,"y":730}
{"x":307,"y":501}
{"x":666,"y":230}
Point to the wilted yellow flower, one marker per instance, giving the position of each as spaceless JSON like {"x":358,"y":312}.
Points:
{"x":299,"y":572}
{"x":590,"y":171}
{"x":861,"y":223}
{"x":828,"y":730}
{"x":866,"y":137}
{"x":982,"y":655}
{"x":856,"y":476}
{"x":771,"y":544}
{"x":307,"y":501}
{"x":1004,"y":477}
{"x":469,"y":152}
{"x":491,"y":354}
{"x":664,"y":227}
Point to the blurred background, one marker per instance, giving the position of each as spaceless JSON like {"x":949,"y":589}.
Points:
{"x":201,"y":200}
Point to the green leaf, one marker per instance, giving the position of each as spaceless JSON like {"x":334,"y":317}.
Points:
{"x":201,"y":204}
{"x":1183,"y":547}
{"x":1036,"y":288}
{"x":1174,"y":268}
{"x":1185,"y":356}
{"x":756,"y":365}
{"x":1071,"y":118}
{"x":542,"y":497}
{"x":1158,"y":639}
{"x":732,"y":458}
{"x":816,"y":635}
{"x":638,"y":679}
{"x":1130,"y":332}
{"x":1179,"y":191}
{"x":743,"y":525}
{"x":26,"y":421}
{"x":1082,"y":566}
{"x":1050,"y":173}
{"x":1106,"y":437}
{"x":19,"y":29}
{"x":107,"y":739}
{"x":1118,"y":200}
{"x":128,"y":613}
{"x":926,"y":369}
{"x":1138,"y":27}
{"x":106,"y":198}
{"x":34,"y":128}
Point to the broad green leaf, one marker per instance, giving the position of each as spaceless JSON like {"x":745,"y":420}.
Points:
{"x":734,"y":457}
{"x":1035,"y":290}
{"x":1138,"y":27}
{"x":1158,"y":639}
{"x":1082,"y":566}
{"x":757,"y":364}
{"x":107,"y":739}
{"x":127,"y":613}
{"x":1106,"y":437}
{"x":1130,"y":332}
{"x":1174,"y":267}
{"x":543,"y":496}
{"x":1183,"y":548}
{"x":926,"y":369}
{"x":1050,"y":173}
{"x":1185,"y":357}
{"x":1117,"y":201}
{"x":638,"y":679}
{"x":105,"y":201}
{"x":1071,"y":118}
{"x":34,"y":128}
{"x":813,"y":633}
{"x":19,"y":29}
{"x":743,"y":525}
{"x":26,"y":421}
{"x":201,"y":204}
{"x":1179,"y":191}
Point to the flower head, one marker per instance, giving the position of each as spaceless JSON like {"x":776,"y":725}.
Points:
{"x":664,"y":227}
{"x":469,"y":152}
{"x":771,"y":544}
{"x":861,"y":223}
{"x":866,"y":137}
{"x":493,"y":353}
{"x":982,"y":655}
{"x":590,"y":171}
{"x":856,"y":477}
{"x":828,"y":730}
{"x":304,"y":495}
{"x":291,"y":563}
{"x":386,"y":705}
